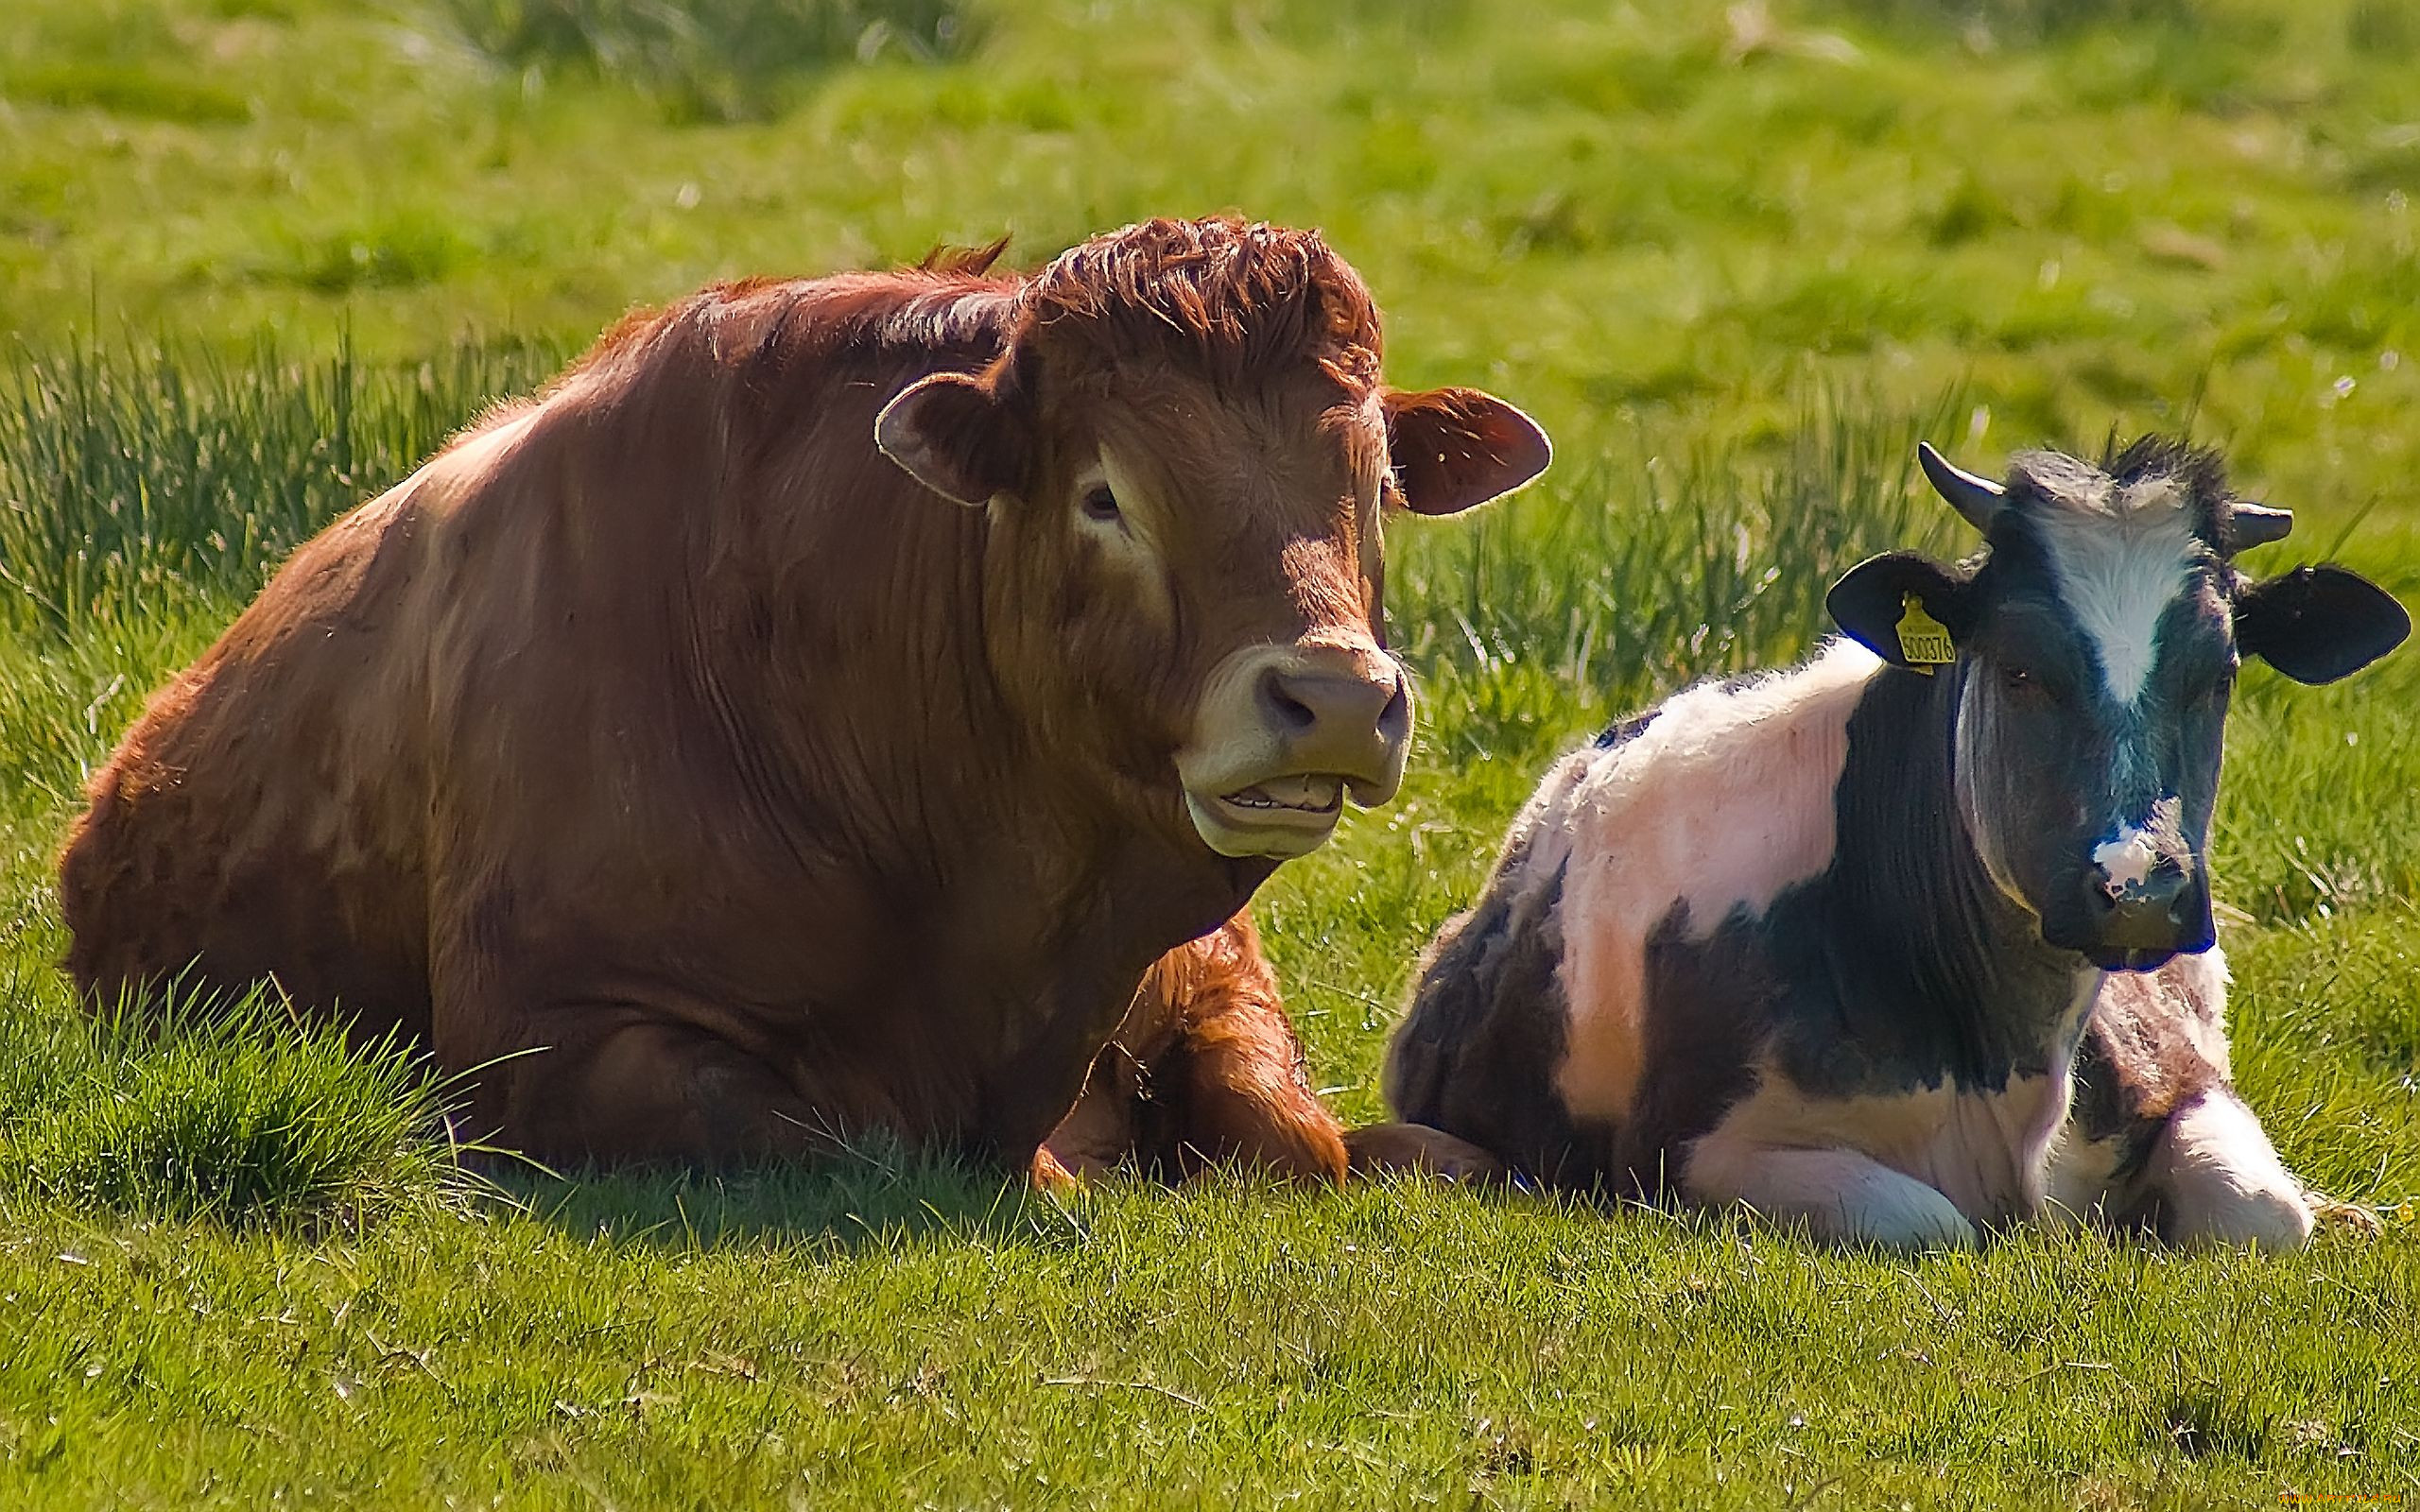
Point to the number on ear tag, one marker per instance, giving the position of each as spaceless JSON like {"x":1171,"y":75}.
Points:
{"x":1923,"y":642}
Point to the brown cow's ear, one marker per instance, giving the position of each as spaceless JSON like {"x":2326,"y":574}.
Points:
{"x":1454,"y":448}
{"x":1907,"y":608}
{"x":955,"y":435}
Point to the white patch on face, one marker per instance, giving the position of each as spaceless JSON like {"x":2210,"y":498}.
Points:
{"x":1723,"y":800}
{"x":2120,"y":561}
{"x":2127,"y":858}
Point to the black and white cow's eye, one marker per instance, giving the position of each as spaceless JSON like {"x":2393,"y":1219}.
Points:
{"x":1100,"y":504}
{"x":2020,"y":681}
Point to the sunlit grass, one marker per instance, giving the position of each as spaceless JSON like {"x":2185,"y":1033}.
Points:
{"x":259,"y":256}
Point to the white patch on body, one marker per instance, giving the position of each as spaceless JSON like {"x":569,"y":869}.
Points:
{"x":1986,"y":1154}
{"x":2120,"y":558}
{"x":2083,"y":1180}
{"x":2183,"y":1001}
{"x":2222,"y":1181}
{"x":1723,"y":800}
{"x":2200,"y":1005}
{"x":1839,"y":1193}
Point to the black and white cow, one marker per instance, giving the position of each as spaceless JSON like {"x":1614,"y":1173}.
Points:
{"x":1916,"y":937}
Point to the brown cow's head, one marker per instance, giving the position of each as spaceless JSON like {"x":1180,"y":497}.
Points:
{"x":1184,"y":452}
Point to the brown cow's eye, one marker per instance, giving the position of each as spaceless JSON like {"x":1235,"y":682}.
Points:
{"x":1100,"y":504}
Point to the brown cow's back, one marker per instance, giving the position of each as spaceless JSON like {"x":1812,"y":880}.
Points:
{"x":220,"y":844}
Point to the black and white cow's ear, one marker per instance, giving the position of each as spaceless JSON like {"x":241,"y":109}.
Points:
{"x":2318,"y":624}
{"x":958,"y":435}
{"x":1456,"y":448}
{"x":1905,"y":608}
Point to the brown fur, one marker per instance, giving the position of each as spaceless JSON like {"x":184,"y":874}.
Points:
{"x":665,"y":754}
{"x":1206,"y":1070}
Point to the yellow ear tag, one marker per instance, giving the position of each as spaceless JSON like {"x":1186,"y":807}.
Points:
{"x":1923,"y":642}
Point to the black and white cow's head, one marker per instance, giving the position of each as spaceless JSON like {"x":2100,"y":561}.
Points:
{"x":2092,"y":646}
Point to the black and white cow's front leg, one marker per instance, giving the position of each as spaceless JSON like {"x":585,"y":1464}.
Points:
{"x":2157,"y":1137}
{"x":1842,"y":1195}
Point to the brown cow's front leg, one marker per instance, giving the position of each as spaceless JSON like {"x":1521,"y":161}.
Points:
{"x":1206,"y":1069}
{"x":611,"y":1088}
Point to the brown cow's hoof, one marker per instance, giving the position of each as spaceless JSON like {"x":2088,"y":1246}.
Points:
{"x":1049,"y":1176}
{"x":1392,"y":1148}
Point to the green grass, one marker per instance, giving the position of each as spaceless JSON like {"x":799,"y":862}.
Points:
{"x":232,"y":1112}
{"x":259,"y":256}
{"x":710,"y":60}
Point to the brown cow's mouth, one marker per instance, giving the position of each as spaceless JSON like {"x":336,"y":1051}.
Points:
{"x":1281,"y":816}
{"x":1305,"y":794}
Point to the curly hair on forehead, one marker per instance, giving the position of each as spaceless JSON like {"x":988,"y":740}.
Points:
{"x":2143,"y":480}
{"x":1237,"y":300}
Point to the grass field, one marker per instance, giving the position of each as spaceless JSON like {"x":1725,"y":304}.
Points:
{"x":260,"y":255}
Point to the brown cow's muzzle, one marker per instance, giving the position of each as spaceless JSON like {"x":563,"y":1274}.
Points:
{"x":1282,"y":734}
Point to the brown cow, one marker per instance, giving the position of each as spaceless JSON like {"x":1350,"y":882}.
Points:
{"x":818,"y":709}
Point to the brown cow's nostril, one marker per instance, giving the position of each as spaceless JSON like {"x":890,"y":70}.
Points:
{"x":1351,"y":723}
{"x":1287,"y":712}
{"x":1394,"y":720}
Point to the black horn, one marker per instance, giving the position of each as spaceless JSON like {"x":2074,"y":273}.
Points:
{"x":2256,"y":524}
{"x":1974,"y":499}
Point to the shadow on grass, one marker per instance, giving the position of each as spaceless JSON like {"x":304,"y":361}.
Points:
{"x":883,"y":1197}
{"x":867,"y":1197}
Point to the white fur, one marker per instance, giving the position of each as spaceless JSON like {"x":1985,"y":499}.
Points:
{"x":2120,"y":562}
{"x":2204,"y":976}
{"x":2222,"y":1181}
{"x":2082,"y":1179}
{"x":1985,"y":1153}
{"x":2127,"y":857}
{"x":1723,"y":801}
{"x":1840,"y":1193}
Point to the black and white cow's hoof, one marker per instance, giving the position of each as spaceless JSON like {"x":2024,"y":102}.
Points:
{"x":2363,"y":1222}
{"x":1386,"y":1149}
{"x":2277,"y":1220}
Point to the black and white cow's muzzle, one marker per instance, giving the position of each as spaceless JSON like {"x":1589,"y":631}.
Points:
{"x":2135,"y":917}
